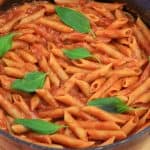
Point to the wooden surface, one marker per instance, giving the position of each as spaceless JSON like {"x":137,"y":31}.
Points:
{"x":143,"y":145}
{"x":8,"y":145}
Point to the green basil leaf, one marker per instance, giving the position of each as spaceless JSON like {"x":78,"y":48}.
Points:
{"x":74,"y":19}
{"x":39,"y":126}
{"x":77,"y":53}
{"x":110,"y":104}
{"x":30,"y":82}
{"x":6,"y":43}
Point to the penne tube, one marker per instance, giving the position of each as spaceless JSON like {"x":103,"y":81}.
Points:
{"x":39,"y":50}
{"x":143,"y":28}
{"x":138,"y":112}
{"x":115,"y":33}
{"x":109,"y":82}
{"x":141,"y":39}
{"x":143,"y":119}
{"x":108,"y":49}
{"x":98,"y":73}
{"x":19,"y":44}
{"x":95,"y":85}
{"x":27,"y":56}
{"x":125,"y":50}
{"x":138,"y":91}
{"x":123,"y":117}
{"x":39,"y":138}
{"x":144,"y":98}
{"x":104,"y":12}
{"x":119,"y":14}
{"x":45,"y":67}
{"x":118,"y":23}
{"x":143,"y":77}
{"x":76,"y":37}
{"x":29,"y":38}
{"x":68,"y":100}
{"x":128,"y":81}
{"x":34,"y":102}
{"x":47,"y":84}
{"x":70,"y":142}
{"x":77,"y":112}
{"x":47,"y":97}
{"x":26,"y":31}
{"x":135,"y":47}
{"x":125,"y":72}
{"x":55,"y":113}
{"x":107,"y":60}
{"x":130,"y":126}
{"x":29,"y":67}
{"x":21,"y":104}
{"x":14,"y":72}
{"x":73,"y":70}
{"x":10,"y":108}
{"x":32,"y":17}
{"x":92,"y":17}
{"x":84,"y":87}
{"x":50,"y":8}
{"x":66,"y":1}
{"x":103,"y":125}
{"x":9,"y":25}
{"x":57,"y":68}
{"x":56,"y":51}
{"x":105,"y":134}
{"x":110,"y":6}
{"x":58,"y":26}
{"x":3,"y":121}
{"x":115,"y":63}
{"x":101,"y":114}
{"x":75,"y":127}
{"x":86,"y":64}
{"x":14,"y":56}
{"x":109,"y":141}
{"x":19,"y":129}
{"x":69,"y":84}
{"x":113,"y":89}
{"x":11,"y":63}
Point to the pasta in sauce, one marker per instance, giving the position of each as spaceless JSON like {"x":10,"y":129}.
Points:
{"x":119,"y":67}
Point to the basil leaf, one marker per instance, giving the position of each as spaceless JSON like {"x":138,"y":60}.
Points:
{"x":74,"y":19}
{"x":30,"y":82}
{"x":110,"y":104}
{"x":77,"y":53}
{"x":6,"y":43}
{"x":39,"y":126}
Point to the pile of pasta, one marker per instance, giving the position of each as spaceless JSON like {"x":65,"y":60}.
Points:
{"x":121,"y":46}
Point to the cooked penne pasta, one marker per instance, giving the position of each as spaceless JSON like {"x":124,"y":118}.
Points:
{"x":139,"y":90}
{"x":75,"y":127}
{"x":70,"y":142}
{"x":10,"y":108}
{"x":100,"y":114}
{"x":105,"y":134}
{"x":58,"y":26}
{"x":74,"y":74}
{"x":108,"y":49}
